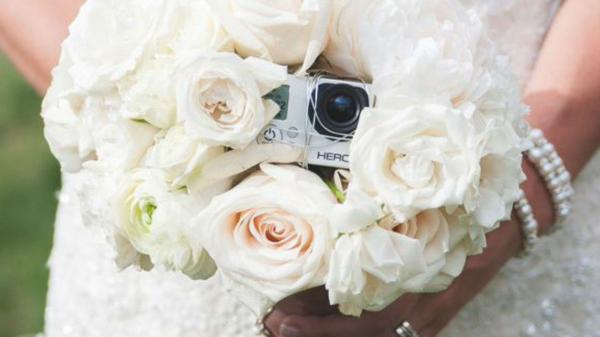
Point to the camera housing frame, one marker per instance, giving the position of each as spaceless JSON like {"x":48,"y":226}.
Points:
{"x":302,"y":122}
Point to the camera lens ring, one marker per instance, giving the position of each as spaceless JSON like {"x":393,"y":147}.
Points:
{"x":338,"y":107}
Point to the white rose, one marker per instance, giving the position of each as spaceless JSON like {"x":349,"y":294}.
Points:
{"x":415,"y":158}
{"x":270,"y":234}
{"x":149,"y":92}
{"x":193,"y":27}
{"x":286,"y":32}
{"x":354,"y":29}
{"x":376,"y":259}
{"x":466,"y":238}
{"x":155,"y":219}
{"x":432,"y":229}
{"x":109,"y":38}
{"x":179,"y":155}
{"x":220,"y":97}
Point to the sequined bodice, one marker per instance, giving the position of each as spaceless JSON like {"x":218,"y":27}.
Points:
{"x":550,"y":294}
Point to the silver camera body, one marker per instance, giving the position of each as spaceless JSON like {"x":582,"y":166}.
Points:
{"x":319,"y":114}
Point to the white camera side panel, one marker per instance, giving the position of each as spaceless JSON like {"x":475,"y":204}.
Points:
{"x":334,"y":155}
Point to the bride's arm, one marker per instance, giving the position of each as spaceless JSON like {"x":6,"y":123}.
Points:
{"x":31,"y":32}
{"x":564,"y":89}
{"x":564,"y":94}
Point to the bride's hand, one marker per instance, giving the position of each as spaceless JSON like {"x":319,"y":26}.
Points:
{"x":309,"y":315}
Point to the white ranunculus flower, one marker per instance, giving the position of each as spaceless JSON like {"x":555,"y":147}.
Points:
{"x":376,"y":259}
{"x":97,"y":185}
{"x":155,"y":219}
{"x":110,"y":37}
{"x":289,"y":32}
{"x":220,"y":97}
{"x":270,"y":234}
{"x":179,"y":155}
{"x":415,"y":158}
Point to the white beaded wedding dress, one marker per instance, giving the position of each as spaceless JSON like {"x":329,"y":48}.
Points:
{"x":549,"y":294}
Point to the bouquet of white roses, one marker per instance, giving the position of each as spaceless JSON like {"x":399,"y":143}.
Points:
{"x":157,"y":105}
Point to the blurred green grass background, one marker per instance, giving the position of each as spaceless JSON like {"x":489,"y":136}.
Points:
{"x":29,"y":179}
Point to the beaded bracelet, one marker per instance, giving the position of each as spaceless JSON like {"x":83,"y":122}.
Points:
{"x":544,"y":157}
{"x":528,"y":223}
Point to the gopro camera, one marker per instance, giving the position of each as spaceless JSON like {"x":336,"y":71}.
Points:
{"x":319,"y":114}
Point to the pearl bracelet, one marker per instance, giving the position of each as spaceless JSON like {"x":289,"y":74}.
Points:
{"x":544,"y":157}
{"x":528,"y":223}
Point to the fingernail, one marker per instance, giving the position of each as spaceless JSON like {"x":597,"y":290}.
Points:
{"x":290,"y":331}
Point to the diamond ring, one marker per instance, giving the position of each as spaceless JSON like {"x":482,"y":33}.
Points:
{"x":406,"y":330}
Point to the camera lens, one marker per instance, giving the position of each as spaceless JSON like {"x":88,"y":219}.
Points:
{"x":337,"y":107}
{"x":342,"y":108}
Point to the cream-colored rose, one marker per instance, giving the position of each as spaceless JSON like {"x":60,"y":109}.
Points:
{"x":289,"y":32}
{"x":415,"y":158}
{"x":155,"y":218}
{"x":179,"y":155}
{"x":270,"y":234}
{"x":220,"y":97}
{"x":110,"y":37}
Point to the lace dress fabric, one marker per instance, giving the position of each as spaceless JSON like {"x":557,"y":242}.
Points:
{"x":549,"y":294}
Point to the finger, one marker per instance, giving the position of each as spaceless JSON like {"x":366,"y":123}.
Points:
{"x":273,"y":321}
{"x":283,"y":323}
{"x":329,"y":326}
{"x":311,"y":302}
{"x":399,"y":311}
